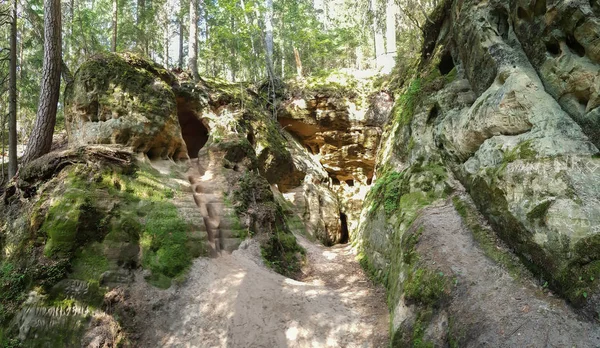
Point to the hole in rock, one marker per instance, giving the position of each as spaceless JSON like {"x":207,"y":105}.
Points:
{"x":193,"y":130}
{"x":553,"y":48}
{"x":501,"y":19}
{"x":446,"y":64}
{"x":540,"y":8}
{"x":344,"y":237}
{"x":583,"y":101}
{"x":250,"y":138}
{"x":350,"y":182}
{"x":575,"y":46}
{"x":335,"y":181}
{"x":433,"y":114}
{"x":369,"y":181}
{"x":522,"y":13}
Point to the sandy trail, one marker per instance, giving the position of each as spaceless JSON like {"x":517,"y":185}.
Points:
{"x":235,"y":301}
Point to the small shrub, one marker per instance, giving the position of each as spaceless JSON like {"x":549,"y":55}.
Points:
{"x":282,"y":253}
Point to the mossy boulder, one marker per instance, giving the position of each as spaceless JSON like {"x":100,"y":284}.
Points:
{"x":127,"y":100}
{"x":91,"y":216}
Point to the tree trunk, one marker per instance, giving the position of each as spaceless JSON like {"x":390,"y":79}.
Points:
{"x":167,"y":39}
{"x":181,"y":33}
{"x":193,"y":39}
{"x":12,"y":96}
{"x":40,"y":139}
{"x":38,"y":29}
{"x":378,"y":35}
{"x":269,"y":38}
{"x":251,"y":33}
{"x":115,"y":21}
{"x":70,"y":45}
{"x":298,"y":62}
{"x":140,"y":22}
{"x":390,"y":35}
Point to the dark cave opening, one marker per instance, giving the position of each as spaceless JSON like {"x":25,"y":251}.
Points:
{"x":335,"y":181}
{"x":540,"y":8}
{"x":250,"y":138}
{"x":446,"y":64}
{"x":350,"y":183}
{"x":194,"y":132}
{"x":575,"y":46}
{"x":344,"y":236}
{"x":433,"y":114}
{"x":553,"y":48}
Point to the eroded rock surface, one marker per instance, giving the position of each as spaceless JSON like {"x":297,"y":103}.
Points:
{"x":497,"y":105}
{"x":125,"y":100}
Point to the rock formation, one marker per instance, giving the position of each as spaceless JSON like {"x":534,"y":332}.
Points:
{"x":470,"y":189}
{"x":495,"y":106}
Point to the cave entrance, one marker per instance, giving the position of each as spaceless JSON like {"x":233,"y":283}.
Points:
{"x":194,"y":132}
{"x":344,"y":237}
{"x":446,"y":64}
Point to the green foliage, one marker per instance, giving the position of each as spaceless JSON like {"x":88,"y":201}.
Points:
{"x":283,"y":253}
{"x":425,"y":286}
{"x":420,"y":325}
{"x":163,"y":240}
{"x":89,"y":263}
{"x":13,"y":283}
{"x":253,"y":189}
{"x":404,"y":108}
{"x":388,"y":190}
{"x":523,"y":151}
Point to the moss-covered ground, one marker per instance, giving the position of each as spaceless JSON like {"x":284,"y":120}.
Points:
{"x":88,"y":221}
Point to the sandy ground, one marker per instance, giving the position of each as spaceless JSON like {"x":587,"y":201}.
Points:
{"x":235,"y":301}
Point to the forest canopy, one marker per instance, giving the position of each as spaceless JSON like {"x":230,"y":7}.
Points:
{"x":237,"y":40}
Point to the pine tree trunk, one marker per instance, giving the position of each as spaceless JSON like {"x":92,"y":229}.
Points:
{"x":40,"y":139}
{"x":252,"y":44}
{"x":140,"y":21}
{"x":12,"y":97}
{"x":181,"y":33}
{"x":269,"y":38}
{"x":193,"y":39}
{"x":298,"y":62}
{"x":390,"y":35}
{"x":378,"y":35}
{"x":115,"y":22}
{"x":167,"y":39}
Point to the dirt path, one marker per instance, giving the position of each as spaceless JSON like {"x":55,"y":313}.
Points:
{"x":235,"y":301}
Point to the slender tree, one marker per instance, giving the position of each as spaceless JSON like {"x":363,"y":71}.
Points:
{"x":40,"y":139}
{"x":115,"y":23}
{"x":378,"y":35}
{"x":193,"y":40}
{"x":12,"y":97}
{"x":181,"y":32}
{"x":141,"y":26}
{"x":269,"y":38}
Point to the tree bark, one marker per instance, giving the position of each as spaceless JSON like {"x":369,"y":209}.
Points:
{"x":40,"y":139}
{"x":167,"y":37}
{"x":390,"y":35}
{"x":298,"y":62}
{"x":141,"y":25}
{"x":115,"y":22}
{"x":12,"y":96}
{"x":251,"y":33}
{"x":193,"y":40}
{"x":181,"y":34}
{"x":269,"y":38}
{"x":378,"y":34}
{"x":38,"y":29}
